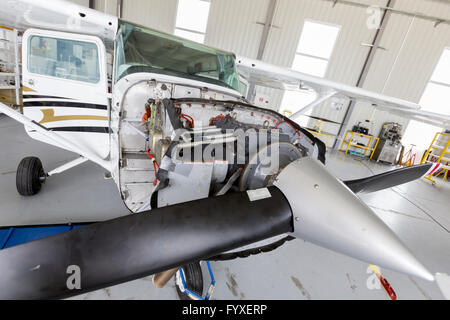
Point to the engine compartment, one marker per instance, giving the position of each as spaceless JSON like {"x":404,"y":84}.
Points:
{"x":179,"y":143}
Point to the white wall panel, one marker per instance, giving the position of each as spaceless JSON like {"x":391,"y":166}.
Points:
{"x":413,"y":49}
{"x":348,"y":56}
{"x":81,"y":2}
{"x":107,"y":6}
{"x":236,"y":25}
{"x":155,"y":14}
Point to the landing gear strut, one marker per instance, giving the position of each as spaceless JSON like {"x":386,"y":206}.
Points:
{"x":31,"y":175}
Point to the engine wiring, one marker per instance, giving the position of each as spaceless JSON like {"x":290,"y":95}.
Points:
{"x":145,"y":118}
{"x":148,"y":111}
{"x":155,"y":165}
{"x":290,"y":124}
{"x":188,"y":118}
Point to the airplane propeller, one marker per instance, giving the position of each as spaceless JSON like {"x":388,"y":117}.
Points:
{"x":327,"y":213}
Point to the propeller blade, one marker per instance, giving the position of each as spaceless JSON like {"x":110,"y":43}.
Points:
{"x":140,"y":245}
{"x":329,"y":214}
{"x":388,"y":179}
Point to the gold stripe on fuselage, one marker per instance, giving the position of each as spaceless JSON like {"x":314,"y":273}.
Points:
{"x":49,"y":116}
{"x":26,"y":89}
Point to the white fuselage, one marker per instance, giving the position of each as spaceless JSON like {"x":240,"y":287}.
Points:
{"x":94,"y":114}
{"x":131,"y":168}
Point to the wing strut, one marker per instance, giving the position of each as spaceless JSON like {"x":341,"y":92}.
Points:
{"x":59,"y":140}
{"x":322,"y":98}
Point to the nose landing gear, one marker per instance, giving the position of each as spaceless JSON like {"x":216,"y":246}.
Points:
{"x":189,"y":282}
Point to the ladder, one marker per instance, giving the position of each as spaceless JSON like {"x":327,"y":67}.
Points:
{"x":439,"y":152}
{"x":9,"y":63}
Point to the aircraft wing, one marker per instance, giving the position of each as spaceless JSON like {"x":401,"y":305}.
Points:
{"x":57,"y":15}
{"x":271,"y":76}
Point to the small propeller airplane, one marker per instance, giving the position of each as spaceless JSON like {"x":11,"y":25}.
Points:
{"x":207,"y":174}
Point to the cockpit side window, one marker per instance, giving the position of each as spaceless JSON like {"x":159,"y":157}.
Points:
{"x":63,"y":58}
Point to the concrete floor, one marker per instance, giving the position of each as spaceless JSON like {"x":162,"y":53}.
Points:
{"x":418,"y":212}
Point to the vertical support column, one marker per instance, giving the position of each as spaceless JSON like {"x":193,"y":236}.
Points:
{"x":366,"y":68}
{"x":16,"y":66}
{"x":119,"y":8}
{"x":262,"y":44}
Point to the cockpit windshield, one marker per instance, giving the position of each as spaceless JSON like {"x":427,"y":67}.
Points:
{"x":144,"y":50}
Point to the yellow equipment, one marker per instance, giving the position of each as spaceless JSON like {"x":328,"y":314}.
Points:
{"x":364,"y":147}
{"x":439,"y":152}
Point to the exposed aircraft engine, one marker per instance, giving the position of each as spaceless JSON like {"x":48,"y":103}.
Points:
{"x":179,"y":150}
{"x":226,"y":156}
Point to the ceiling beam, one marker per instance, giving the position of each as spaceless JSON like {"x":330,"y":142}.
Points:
{"x":437,"y":20}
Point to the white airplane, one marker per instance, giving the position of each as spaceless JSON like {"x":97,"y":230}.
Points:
{"x":212,"y":176}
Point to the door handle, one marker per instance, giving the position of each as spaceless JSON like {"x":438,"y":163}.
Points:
{"x":31,"y":82}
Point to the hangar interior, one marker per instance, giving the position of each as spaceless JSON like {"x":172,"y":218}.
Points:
{"x":398,"y":48}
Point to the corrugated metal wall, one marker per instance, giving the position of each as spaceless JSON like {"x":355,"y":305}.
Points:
{"x":156,"y":14}
{"x":236,"y":25}
{"x":413,"y":49}
{"x":413,"y":45}
{"x":108,"y":6}
{"x":348,"y":57}
{"x":81,"y":2}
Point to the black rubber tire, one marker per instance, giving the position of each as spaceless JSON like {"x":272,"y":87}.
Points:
{"x":193,"y":276}
{"x":29,"y":176}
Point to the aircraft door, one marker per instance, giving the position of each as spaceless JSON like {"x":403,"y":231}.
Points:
{"x":65,"y":87}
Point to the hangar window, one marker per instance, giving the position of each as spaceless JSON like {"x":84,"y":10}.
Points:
{"x":192,"y":19}
{"x":313,"y":53}
{"x":434,"y":99}
{"x":315,"y":48}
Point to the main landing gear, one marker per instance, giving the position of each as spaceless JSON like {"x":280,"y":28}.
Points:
{"x":31,"y":176}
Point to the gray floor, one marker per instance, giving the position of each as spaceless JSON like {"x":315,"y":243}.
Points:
{"x":418,"y":212}
{"x":79,"y":195}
